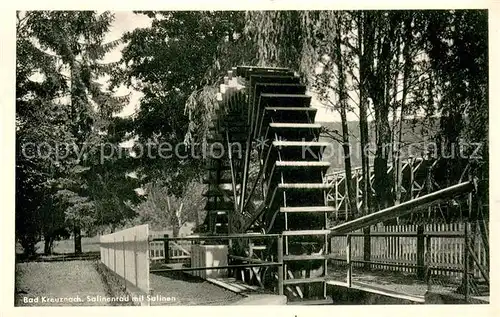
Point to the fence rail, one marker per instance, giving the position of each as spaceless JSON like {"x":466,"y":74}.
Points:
{"x":250,"y":262}
{"x":178,"y":251}
{"x":395,"y":248}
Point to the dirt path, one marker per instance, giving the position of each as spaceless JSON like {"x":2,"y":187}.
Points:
{"x":71,"y":283}
{"x":182,"y":289}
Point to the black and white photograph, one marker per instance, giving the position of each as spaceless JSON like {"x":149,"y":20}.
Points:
{"x":251,"y":157}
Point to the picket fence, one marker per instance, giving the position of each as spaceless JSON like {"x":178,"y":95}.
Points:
{"x":447,"y":253}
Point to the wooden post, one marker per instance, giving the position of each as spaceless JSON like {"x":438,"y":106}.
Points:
{"x":114,"y":254}
{"x":166,"y":250}
{"x":280,"y":268}
{"x":428,"y":270}
{"x":124,"y":265}
{"x":420,"y":252}
{"x":348,"y":260}
{"x":135,"y":261}
{"x":367,"y":247}
{"x":466,"y":262}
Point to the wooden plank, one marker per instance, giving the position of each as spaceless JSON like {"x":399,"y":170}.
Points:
{"x":280,"y":268}
{"x":224,"y":284}
{"x":286,"y":125}
{"x":483,"y":271}
{"x":381,"y":291}
{"x":378,"y":290}
{"x":305,"y":232}
{"x":302,"y":164}
{"x":308,"y":209}
{"x":304,"y":186}
{"x":348,"y":260}
{"x":297,"y":109}
{"x":277,"y":95}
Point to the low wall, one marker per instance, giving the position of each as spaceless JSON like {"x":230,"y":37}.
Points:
{"x":126,"y":253}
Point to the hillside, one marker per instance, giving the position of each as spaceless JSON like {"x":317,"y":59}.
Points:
{"x":416,"y":134}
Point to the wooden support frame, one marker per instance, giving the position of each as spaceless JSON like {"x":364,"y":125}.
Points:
{"x":259,"y":178}
{"x":428,"y":264}
{"x":280,"y":268}
{"x":349,"y":263}
{"x":466,"y":264}
{"x":166,"y":248}
{"x":233,"y":176}
{"x":246,"y":164}
{"x":474,"y":257}
{"x":403,"y":208}
{"x":412,"y":186}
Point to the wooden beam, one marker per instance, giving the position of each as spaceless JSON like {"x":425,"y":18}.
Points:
{"x":482,"y":269}
{"x":185,"y":269}
{"x":233,"y":176}
{"x":261,"y":174}
{"x":280,"y":268}
{"x":403,"y":208}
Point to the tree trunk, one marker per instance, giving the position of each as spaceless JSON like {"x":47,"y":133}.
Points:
{"x":28,"y":242}
{"x":378,"y":87}
{"x":48,"y":244}
{"x":406,"y":74}
{"x":365,"y":41}
{"x":197,"y":218}
{"x":177,"y":222}
{"x":77,"y":236}
{"x":364,"y":28}
{"x":351,"y":206}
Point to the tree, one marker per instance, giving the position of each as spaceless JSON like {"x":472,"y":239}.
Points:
{"x":164,"y":210}
{"x":38,"y":128}
{"x":177,"y":64}
{"x":70,"y":45}
{"x":458,"y":55}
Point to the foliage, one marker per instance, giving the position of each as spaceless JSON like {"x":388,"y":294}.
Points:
{"x":418,"y":64}
{"x":164,"y":210}
{"x":63,"y":113}
{"x":176,"y":64}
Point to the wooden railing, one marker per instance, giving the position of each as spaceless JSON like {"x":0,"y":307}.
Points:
{"x":468,"y":265}
{"x":424,"y":260}
{"x":249,"y":262}
{"x":176,"y":252}
{"x":397,"y":248}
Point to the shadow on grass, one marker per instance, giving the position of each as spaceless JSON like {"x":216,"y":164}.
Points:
{"x":21,"y":258}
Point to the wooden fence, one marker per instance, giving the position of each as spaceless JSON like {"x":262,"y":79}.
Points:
{"x":400,"y":253}
{"x":177,"y":252}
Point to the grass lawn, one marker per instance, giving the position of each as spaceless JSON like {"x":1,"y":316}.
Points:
{"x":58,"y":284}
{"x":67,"y":246}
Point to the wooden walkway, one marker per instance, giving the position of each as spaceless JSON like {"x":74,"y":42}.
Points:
{"x":392,"y":284}
{"x":386,"y":283}
{"x":389,"y":284}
